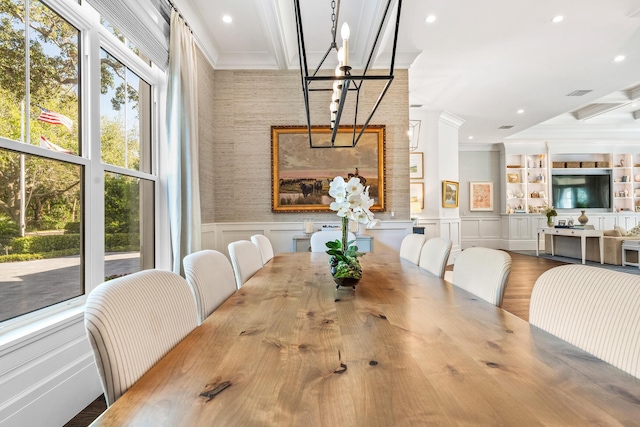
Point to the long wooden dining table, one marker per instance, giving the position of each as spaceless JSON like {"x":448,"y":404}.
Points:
{"x":404,"y":348}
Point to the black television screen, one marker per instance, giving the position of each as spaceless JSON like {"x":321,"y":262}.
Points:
{"x":581,"y":191}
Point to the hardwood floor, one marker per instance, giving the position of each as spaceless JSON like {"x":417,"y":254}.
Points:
{"x":525,"y":270}
{"x":89,"y":413}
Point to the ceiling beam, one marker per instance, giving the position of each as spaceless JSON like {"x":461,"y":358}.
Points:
{"x":272,"y":20}
{"x":634,"y":93}
{"x":593,"y":110}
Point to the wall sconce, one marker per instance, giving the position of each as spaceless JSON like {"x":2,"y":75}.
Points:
{"x":414,"y":134}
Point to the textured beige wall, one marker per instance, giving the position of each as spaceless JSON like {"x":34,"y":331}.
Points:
{"x":206,"y":131}
{"x":235,"y":141}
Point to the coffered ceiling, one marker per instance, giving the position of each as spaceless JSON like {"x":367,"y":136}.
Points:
{"x":480,"y":60}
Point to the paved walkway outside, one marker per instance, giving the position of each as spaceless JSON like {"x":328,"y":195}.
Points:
{"x":30,"y":285}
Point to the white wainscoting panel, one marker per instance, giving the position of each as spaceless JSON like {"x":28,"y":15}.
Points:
{"x":47,"y":377}
{"x":387,"y":236}
{"x":482,"y":232}
{"x":448,"y":228}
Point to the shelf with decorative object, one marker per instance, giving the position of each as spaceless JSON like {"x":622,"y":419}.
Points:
{"x":526,"y":182}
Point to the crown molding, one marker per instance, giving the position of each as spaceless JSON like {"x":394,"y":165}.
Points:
{"x":578,"y":132}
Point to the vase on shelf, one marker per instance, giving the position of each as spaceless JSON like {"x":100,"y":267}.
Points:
{"x":583,"y":219}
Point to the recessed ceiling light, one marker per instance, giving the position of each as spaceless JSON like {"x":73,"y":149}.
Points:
{"x":619,"y":58}
{"x":227,"y":19}
{"x":520,"y":111}
{"x":430,"y":19}
{"x":471,"y":137}
{"x":557,"y":19}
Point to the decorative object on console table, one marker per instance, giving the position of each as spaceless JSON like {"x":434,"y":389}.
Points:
{"x":307,"y":225}
{"x":550,"y":213}
{"x":583,"y":219}
{"x":352,"y":203}
{"x":450,"y":190}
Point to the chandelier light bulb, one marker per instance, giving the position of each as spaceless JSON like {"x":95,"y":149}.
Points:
{"x":345,"y":32}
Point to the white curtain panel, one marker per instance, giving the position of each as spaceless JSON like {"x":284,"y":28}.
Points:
{"x":183,"y":188}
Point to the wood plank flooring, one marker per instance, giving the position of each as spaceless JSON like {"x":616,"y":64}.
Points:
{"x":525,"y":270}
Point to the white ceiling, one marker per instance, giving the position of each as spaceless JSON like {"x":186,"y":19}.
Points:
{"x":480,"y":60}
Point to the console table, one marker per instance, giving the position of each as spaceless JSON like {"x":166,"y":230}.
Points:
{"x":630,"y":245}
{"x":573,"y":232}
{"x":302,"y":243}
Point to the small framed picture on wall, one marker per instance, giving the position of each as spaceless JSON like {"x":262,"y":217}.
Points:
{"x":450,"y":190}
{"x":416,"y":165}
{"x":481,"y":196}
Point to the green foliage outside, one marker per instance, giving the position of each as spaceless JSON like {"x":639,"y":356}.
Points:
{"x":40,"y":244}
{"x":53,"y":188}
{"x":41,"y":247}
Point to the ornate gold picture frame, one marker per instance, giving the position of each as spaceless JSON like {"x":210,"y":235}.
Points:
{"x":301,"y":174}
{"x":450,"y":193}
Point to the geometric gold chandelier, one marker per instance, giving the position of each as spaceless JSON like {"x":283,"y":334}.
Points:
{"x":343,"y":82}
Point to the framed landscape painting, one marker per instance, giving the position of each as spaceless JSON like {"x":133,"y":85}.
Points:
{"x":301,"y":174}
{"x":481,"y":196}
{"x":416,"y":165}
{"x":416,"y":193}
{"x":450,"y":191}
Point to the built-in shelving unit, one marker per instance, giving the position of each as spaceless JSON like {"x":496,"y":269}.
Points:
{"x":524,"y":192}
{"x":623,"y":199}
{"x":528,"y":183}
{"x":527,"y":186}
{"x":636,"y":181}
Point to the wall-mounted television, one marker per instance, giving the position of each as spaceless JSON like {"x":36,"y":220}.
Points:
{"x":581,"y":191}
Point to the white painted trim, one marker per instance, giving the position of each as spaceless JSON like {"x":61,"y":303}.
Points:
{"x":48,"y":375}
{"x":388,"y":235}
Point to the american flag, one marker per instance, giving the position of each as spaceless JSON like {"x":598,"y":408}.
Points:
{"x":45,"y":143}
{"x":54,"y":118}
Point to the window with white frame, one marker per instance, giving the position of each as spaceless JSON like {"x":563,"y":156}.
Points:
{"x":49,"y":202}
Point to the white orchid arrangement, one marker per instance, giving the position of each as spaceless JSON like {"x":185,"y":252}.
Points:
{"x":352,"y":202}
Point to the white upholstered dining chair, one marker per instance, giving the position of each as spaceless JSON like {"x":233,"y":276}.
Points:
{"x":595,"y":309}
{"x":483,"y":272}
{"x":434,"y":255}
{"x":133,"y":321}
{"x":246,"y":260}
{"x":411,"y":247}
{"x":320,"y":238}
{"x":212,"y":281}
{"x":264,"y":245}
